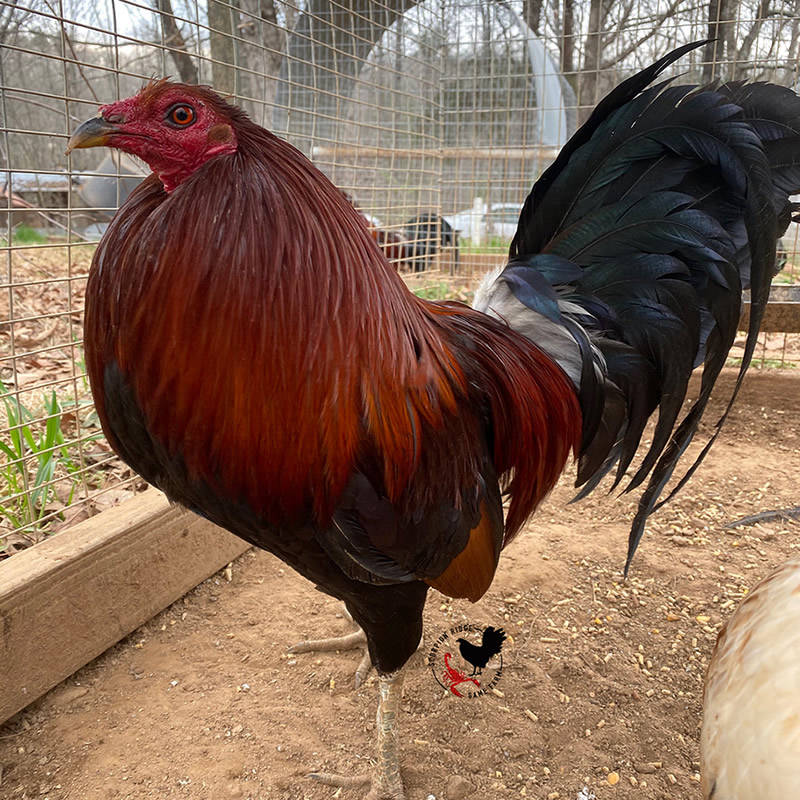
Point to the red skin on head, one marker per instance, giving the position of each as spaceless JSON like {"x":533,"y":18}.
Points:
{"x":173,"y":151}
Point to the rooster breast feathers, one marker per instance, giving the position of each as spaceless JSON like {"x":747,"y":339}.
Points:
{"x":632,"y":253}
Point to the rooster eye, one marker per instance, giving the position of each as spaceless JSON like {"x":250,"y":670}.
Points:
{"x":181,"y":115}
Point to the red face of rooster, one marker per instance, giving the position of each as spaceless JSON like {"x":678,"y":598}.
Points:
{"x":173,"y":127}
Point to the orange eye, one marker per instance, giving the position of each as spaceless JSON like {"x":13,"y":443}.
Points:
{"x":181,"y":115}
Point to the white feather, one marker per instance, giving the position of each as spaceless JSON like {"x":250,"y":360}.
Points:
{"x":495,"y":298}
{"x":484,"y":291}
{"x":750,"y":743}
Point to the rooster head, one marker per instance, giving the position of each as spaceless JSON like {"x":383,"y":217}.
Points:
{"x":173,"y":127}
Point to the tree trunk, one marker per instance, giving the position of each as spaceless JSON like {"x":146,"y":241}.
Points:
{"x":273,"y":35}
{"x":221,"y":21}
{"x":568,"y":40}
{"x":721,"y":28}
{"x":173,"y":38}
{"x":532,"y":14}
{"x":587,"y":91}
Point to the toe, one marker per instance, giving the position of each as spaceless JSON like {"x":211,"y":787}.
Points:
{"x":363,"y":669}
{"x":347,"y":642}
{"x":345,"y":781}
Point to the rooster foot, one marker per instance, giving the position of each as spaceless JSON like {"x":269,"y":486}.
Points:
{"x":386,"y":782}
{"x":349,"y":641}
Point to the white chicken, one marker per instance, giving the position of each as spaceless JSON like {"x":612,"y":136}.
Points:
{"x":750,"y":744}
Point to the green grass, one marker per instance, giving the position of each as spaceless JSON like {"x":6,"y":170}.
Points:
{"x":35,"y":453}
{"x":24,"y":234}
{"x":436,"y":291}
{"x":785,"y":278}
{"x":494,"y":244}
{"x":759,"y":363}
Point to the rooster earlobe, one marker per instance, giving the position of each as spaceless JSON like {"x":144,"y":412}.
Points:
{"x":220,"y":134}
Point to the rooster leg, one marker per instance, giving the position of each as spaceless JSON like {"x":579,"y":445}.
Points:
{"x":365,"y":665}
{"x":386,"y":782}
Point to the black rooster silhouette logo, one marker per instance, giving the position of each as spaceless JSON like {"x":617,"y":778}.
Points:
{"x":480,"y":655}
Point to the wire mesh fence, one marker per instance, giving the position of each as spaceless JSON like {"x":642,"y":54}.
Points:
{"x":433,"y":117}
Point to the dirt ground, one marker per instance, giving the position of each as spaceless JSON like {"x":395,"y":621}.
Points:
{"x":602,"y":678}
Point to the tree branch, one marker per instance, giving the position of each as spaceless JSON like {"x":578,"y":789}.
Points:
{"x":173,"y":38}
{"x":532,"y":14}
{"x":762,"y":12}
{"x":75,"y":58}
{"x":634,"y":46}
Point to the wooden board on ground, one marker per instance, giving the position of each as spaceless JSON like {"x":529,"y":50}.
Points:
{"x":68,"y":599}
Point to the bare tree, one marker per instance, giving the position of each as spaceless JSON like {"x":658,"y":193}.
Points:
{"x":274,"y":36}
{"x":568,"y":40}
{"x":762,"y":13}
{"x":532,"y":14}
{"x":259,"y":51}
{"x":175,"y":41}
{"x":12,"y":18}
{"x":721,"y":35}
{"x":223,"y":24}
{"x":737,"y":28}
{"x":593,"y":53}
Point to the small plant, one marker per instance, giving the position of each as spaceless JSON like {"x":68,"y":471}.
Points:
{"x":34,"y":452}
{"x":494,"y":244}
{"x":24,"y":234}
{"x":436,"y":291}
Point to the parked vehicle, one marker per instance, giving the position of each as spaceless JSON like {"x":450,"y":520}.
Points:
{"x":482,"y":221}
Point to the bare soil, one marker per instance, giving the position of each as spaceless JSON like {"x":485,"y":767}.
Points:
{"x":602,"y":677}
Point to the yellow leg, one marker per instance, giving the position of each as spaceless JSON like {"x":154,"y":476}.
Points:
{"x":386,"y":781}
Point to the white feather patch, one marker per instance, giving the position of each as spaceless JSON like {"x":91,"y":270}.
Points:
{"x":494,"y":297}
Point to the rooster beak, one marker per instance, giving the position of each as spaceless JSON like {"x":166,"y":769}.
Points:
{"x":93,"y":133}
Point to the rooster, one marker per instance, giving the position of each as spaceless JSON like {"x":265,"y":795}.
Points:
{"x":421,"y":238}
{"x":425,"y":235}
{"x":253,"y":353}
{"x":479,"y":655}
{"x":750,"y":743}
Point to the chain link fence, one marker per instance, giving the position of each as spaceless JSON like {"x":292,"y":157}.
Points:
{"x":433,"y":117}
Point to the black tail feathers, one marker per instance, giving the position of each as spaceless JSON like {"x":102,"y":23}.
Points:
{"x":638,"y":242}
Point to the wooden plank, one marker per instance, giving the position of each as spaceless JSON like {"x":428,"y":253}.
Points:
{"x":527,"y":153}
{"x":779,"y":317}
{"x":69,"y":598}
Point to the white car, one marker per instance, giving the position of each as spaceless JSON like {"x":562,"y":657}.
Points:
{"x":477,"y":223}
{"x":502,"y":220}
